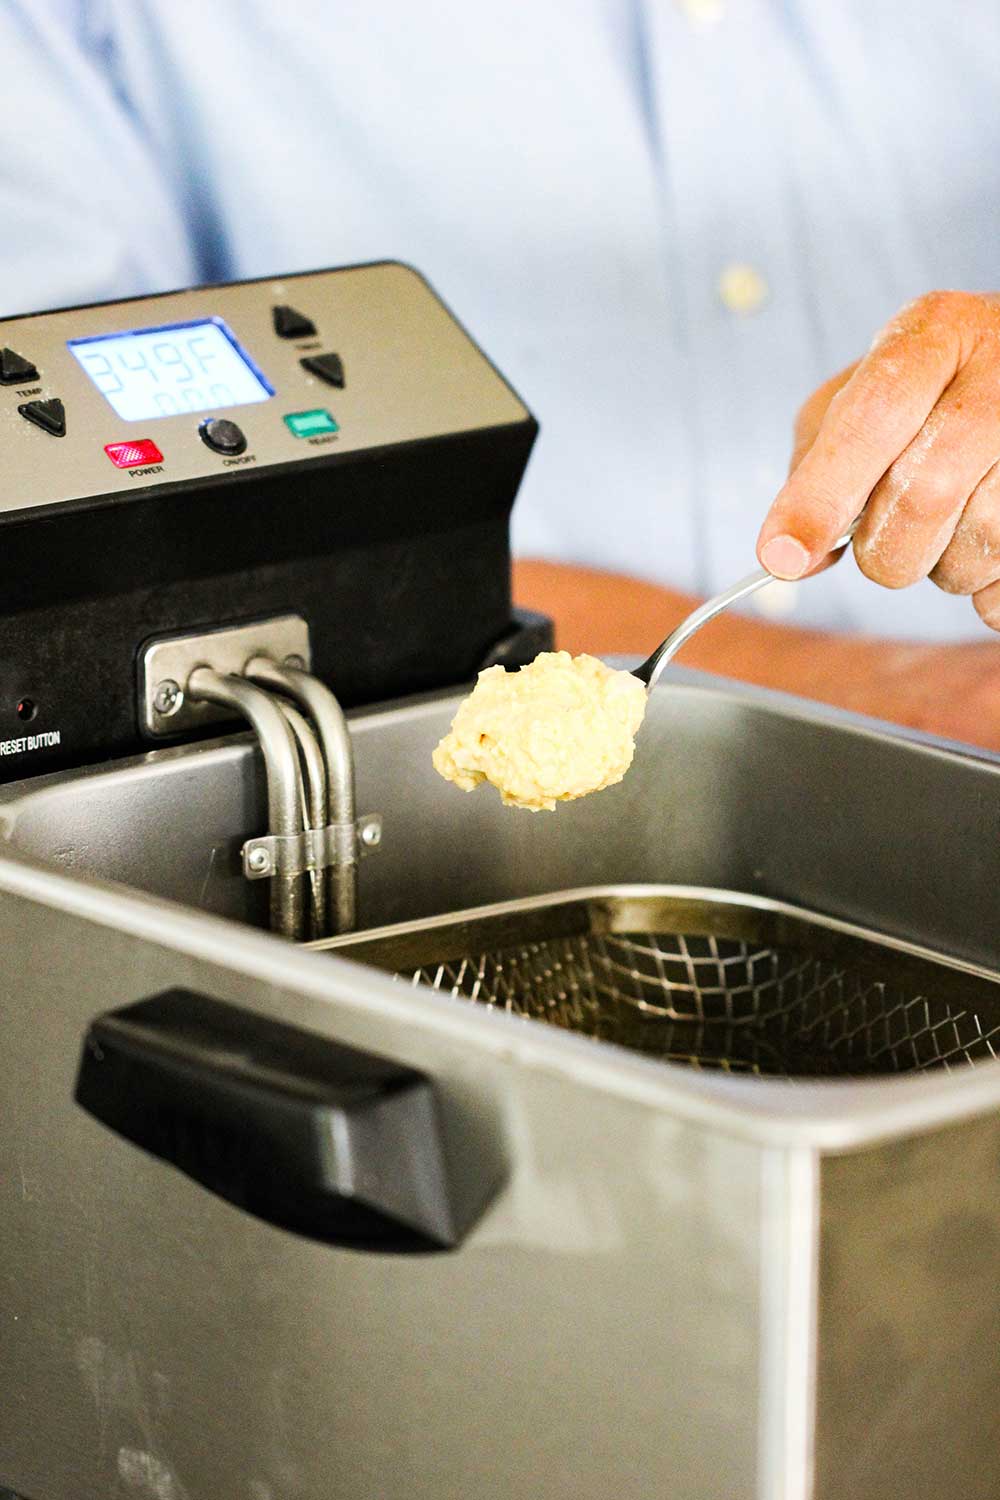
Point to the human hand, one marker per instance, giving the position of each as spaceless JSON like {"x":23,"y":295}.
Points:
{"x":911,"y":435}
{"x":950,"y":689}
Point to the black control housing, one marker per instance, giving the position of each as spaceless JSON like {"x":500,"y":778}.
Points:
{"x":398,"y":559}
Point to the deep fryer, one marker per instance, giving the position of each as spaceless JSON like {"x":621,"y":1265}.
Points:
{"x":324,"y":1213}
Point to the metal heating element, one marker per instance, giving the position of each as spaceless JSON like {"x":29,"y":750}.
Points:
{"x":712,"y":985}
{"x":314,"y":840}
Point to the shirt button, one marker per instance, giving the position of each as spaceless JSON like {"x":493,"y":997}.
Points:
{"x":778,"y":600}
{"x":742,"y":288}
{"x":703,"y":12}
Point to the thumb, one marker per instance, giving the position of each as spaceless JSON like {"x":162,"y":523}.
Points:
{"x":807,"y":424}
{"x":811,"y":414}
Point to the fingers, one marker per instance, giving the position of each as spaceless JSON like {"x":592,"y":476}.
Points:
{"x":867,"y":425}
{"x":987,"y":605}
{"x":971,"y":560}
{"x":915,"y":508}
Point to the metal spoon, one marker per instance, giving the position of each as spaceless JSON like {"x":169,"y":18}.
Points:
{"x":649,"y":672}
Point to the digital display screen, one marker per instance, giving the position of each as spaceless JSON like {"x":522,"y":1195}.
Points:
{"x":162,"y":372}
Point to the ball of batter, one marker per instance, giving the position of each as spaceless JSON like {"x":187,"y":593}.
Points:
{"x":550,"y":732}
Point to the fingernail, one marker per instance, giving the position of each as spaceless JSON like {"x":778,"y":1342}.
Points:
{"x":785,"y":557}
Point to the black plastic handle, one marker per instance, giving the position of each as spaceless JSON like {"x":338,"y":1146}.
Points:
{"x":325,"y":1140}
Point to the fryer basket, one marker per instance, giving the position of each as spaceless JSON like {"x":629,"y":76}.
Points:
{"x":704,"y":979}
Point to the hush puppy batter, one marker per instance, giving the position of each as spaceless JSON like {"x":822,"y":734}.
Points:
{"x":552,"y":731}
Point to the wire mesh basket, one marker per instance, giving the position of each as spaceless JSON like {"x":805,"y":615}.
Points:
{"x":706,"y":981}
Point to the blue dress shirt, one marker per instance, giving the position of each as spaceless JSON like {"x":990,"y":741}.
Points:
{"x":666,"y":220}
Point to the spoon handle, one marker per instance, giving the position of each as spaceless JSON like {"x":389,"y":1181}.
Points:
{"x":650,"y":670}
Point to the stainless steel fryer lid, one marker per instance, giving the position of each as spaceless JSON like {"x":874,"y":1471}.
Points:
{"x":702,"y":979}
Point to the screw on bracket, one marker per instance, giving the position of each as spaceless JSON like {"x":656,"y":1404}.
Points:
{"x":371,"y":833}
{"x":259,"y":861}
{"x":168,"y":697}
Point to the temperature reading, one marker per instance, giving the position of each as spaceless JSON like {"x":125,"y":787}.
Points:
{"x":164,"y":372}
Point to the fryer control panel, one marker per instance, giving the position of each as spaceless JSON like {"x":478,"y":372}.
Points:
{"x":191,"y":386}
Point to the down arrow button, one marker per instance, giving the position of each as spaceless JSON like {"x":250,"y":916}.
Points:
{"x":329,"y":367}
{"x":50,"y":415}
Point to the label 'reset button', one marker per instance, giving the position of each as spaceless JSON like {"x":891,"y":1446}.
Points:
{"x":306,"y":424}
{"x":131,"y":455}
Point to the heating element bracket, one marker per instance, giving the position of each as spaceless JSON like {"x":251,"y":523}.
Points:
{"x":315,"y":849}
{"x":166,"y":664}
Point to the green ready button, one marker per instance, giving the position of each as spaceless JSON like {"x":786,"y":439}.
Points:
{"x":306,"y":424}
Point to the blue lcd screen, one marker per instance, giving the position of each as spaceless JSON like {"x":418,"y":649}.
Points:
{"x":162,"y":372}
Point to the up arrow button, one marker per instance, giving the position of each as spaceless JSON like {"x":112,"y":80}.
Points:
{"x":289,"y":323}
{"x":15,"y":369}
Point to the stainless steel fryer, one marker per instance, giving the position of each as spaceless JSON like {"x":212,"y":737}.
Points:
{"x":278,"y":1225}
{"x":710,"y":1282}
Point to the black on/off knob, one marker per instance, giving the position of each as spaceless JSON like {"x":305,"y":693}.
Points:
{"x":222,"y":436}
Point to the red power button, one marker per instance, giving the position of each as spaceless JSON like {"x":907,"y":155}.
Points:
{"x":129,"y":455}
